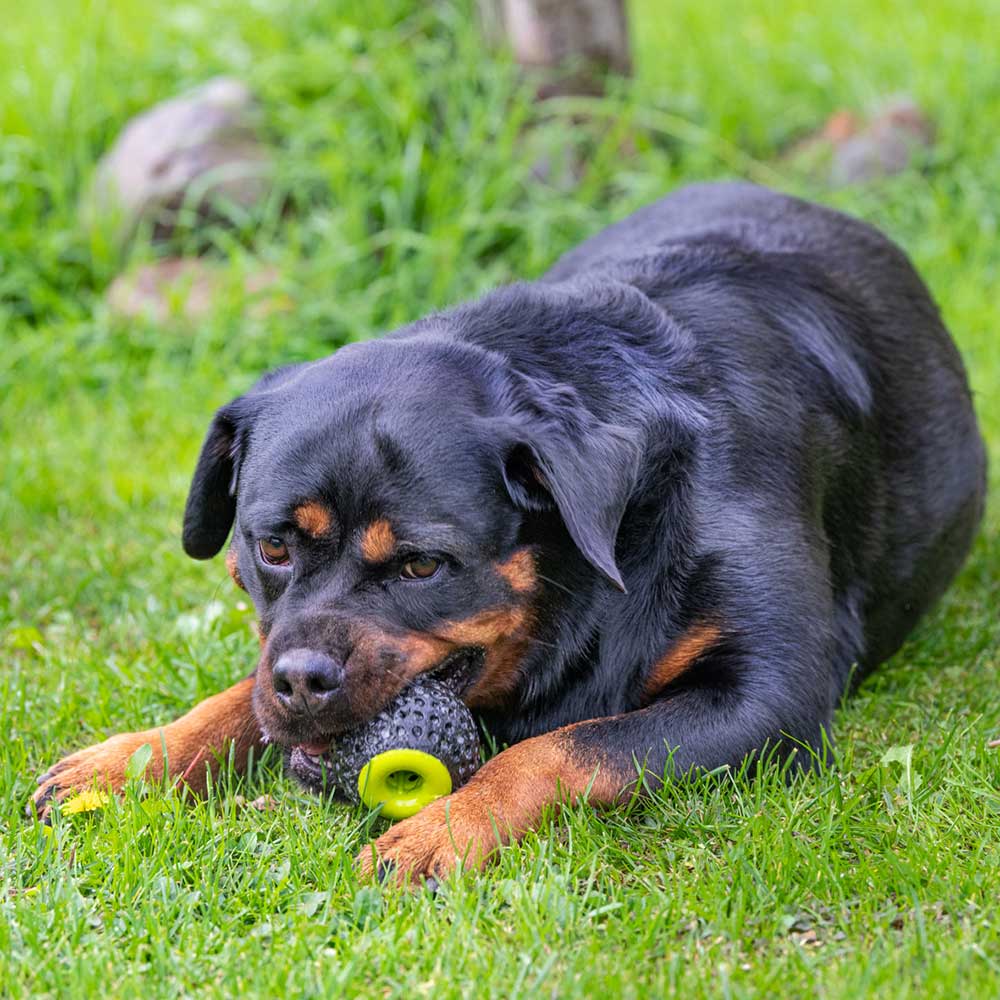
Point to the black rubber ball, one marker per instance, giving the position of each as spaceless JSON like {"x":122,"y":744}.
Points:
{"x":427,"y":717}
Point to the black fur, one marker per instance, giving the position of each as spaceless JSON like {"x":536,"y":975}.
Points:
{"x":732,"y":407}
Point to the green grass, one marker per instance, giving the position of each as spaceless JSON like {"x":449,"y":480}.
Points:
{"x":406,"y":157}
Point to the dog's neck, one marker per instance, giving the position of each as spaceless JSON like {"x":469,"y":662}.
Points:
{"x":597,"y":641}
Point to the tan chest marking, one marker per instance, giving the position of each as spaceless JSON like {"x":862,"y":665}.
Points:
{"x":679,"y":657}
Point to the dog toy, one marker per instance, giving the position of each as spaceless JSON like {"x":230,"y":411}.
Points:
{"x":421,"y":746}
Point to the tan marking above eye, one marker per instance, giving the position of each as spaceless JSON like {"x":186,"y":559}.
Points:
{"x":314,"y":518}
{"x":378,"y":542}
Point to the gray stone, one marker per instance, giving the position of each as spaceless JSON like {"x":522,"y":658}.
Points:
{"x":886,"y":146}
{"x":187,"y":290}
{"x":850,"y":149}
{"x":198,"y":151}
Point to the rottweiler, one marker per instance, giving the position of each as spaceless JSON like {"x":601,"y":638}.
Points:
{"x":661,"y":506}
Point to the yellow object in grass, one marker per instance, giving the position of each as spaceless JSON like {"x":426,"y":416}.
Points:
{"x":85,"y":802}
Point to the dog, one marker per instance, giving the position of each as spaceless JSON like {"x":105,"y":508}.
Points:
{"x":662,"y":507}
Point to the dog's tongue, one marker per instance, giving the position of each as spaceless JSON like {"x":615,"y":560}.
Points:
{"x":314,"y":749}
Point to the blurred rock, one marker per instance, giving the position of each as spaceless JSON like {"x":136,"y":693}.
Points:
{"x":574,"y":44}
{"x":190,"y":289}
{"x":886,"y":146}
{"x":198,"y":150}
{"x":851,"y":150}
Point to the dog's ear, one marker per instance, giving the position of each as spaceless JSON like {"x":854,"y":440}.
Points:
{"x":211,"y":502}
{"x":559,"y":455}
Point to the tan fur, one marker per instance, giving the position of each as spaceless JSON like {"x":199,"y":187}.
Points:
{"x":314,"y":518}
{"x":232,"y":565}
{"x":484,"y":629}
{"x":501,"y":632}
{"x":504,"y":634}
{"x":378,"y":542}
{"x":519,"y":571}
{"x":681,"y":655}
{"x":196,"y":745}
{"x":502,"y":802}
{"x":420,"y":652}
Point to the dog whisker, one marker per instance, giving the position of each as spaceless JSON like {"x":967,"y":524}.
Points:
{"x":556,"y":583}
{"x":540,"y":642}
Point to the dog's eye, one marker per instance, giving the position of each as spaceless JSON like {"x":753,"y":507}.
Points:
{"x":420,"y":568}
{"x":274,"y":551}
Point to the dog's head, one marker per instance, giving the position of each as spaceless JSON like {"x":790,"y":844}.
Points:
{"x":407,"y":505}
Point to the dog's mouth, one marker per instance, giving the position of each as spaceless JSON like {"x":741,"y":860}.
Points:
{"x":312,"y":765}
{"x":316,"y":764}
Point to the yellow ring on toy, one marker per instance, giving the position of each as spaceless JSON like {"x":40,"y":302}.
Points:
{"x":402,"y":782}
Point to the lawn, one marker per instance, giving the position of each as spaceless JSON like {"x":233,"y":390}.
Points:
{"x":406,"y":165}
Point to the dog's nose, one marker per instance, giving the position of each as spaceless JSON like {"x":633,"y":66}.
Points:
{"x":305,"y":680}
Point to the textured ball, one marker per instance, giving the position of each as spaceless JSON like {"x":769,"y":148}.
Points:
{"x":427,"y":717}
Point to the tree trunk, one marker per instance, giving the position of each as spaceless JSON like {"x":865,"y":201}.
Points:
{"x":574,"y":42}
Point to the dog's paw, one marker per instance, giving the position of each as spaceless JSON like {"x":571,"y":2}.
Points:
{"x":456,"y":830}
{"x":102,"y":767}
{"x":191,"y":749}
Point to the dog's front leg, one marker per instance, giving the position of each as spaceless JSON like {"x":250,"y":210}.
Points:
{"x":196,"y":745}
{"x":598,"y":760}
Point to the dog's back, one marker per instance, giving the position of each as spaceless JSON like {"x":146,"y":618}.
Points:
{"x":657,"y":505}
{"x":903,"y":516}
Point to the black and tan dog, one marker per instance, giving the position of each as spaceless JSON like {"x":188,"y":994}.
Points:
{"x":659,"y":506}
